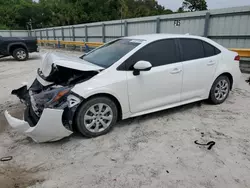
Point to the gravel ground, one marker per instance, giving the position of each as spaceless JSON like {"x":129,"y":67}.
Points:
{"x":155,"y":150}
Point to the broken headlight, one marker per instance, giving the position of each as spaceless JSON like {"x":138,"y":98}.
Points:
{"x":55,"y":98}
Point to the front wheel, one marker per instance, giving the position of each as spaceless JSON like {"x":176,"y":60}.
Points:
{"x":220,"y":90}
{"x":96,"y":117}
{"x":20,"y":54}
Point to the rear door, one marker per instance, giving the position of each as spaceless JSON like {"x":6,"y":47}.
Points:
{"x":199,"y":64}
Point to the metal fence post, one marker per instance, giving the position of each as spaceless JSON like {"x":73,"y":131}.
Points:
{"x":54,"y":33}
{"x":103,"y":33}
{"x":206,"y":26}
{"x":86,"y":33}
{"x":125,"y":28}
{"x":158,"y":25}
{"x":62,"y":33}
{"x":47,"y":34}
{"x":73,"y":33}
{"x":41,"y":36}
{"x":10,"y":33}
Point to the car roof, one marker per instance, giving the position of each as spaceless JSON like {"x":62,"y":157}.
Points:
{"x":152,"y":37}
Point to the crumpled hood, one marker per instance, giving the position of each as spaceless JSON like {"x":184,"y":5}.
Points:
{"x":72,"y":62}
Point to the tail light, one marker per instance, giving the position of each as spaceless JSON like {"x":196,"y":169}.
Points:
{"x":237,"y":58}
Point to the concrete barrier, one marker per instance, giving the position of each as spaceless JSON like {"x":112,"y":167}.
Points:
{"x":245,"y":65}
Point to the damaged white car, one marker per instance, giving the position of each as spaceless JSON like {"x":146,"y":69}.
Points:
{"x":124,"y":78}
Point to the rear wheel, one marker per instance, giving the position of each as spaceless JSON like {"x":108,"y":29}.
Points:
{"x":96,"y":116}
{"x":220,"y":90}
{"x":20,"y":54}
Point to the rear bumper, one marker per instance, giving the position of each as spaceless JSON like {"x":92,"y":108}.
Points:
{"x":49,"y":127}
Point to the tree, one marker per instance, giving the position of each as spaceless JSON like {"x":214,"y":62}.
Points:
{"x":180,"y":10}
{"x":195,"y":5}
{"x":15,"y":14}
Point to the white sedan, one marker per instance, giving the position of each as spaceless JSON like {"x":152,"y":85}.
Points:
{"x":125,"y":78}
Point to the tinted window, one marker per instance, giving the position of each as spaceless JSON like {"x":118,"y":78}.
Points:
{"x":217,"y":51}
{"x":210,"y":50}
{"x":192,"y":49}
{"x":157,"y":53}
{"x":111,"y":52}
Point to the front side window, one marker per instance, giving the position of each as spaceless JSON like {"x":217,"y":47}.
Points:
{"x":110,"y":53}
{"x":158,"y":53}
{"x":192,"y":49}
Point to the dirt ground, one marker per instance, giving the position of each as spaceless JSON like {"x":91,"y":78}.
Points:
{"x":155,"y":150}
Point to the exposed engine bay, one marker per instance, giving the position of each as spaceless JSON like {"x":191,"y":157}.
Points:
{"x":65,"y":76}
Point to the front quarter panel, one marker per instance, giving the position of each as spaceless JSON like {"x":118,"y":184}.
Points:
{"x":109,"y":81}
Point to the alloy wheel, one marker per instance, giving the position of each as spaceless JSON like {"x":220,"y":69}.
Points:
{"x":221,"y":90}
{"x":21,"y":54}
{"x":98,"y":117}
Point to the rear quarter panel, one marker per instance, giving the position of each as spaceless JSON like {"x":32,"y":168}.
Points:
{"x":227,"y":64}
{"x":31,"y":43}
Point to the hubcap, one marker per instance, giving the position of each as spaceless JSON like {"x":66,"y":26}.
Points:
{"x":221,"y":90}
{"x":21,"y":54}
{"x":98,"y":118}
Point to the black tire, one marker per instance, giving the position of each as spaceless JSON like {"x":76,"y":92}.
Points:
{"x":213,"y":93}
{"x":84,"y":108}
{"x":20,"y":54}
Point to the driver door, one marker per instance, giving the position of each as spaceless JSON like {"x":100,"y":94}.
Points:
{"x":160,"y":86}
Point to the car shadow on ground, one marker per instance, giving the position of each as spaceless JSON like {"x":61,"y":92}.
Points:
{"x":129,"y":121}
{"x":161,"y":113}
{"x":76,"y":136}
{"x":146,"y":117}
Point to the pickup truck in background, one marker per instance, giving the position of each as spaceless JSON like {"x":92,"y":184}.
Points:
{"x":18,"y":47}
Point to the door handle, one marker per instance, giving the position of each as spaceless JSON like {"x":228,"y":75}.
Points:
{"x":211,"y":62}
{"x":175,"y":71}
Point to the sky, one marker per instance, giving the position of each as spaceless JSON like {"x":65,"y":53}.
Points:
{"x":212,"y":4}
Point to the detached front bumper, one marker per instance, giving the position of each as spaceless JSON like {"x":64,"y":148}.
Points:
{"x":49,"y":127}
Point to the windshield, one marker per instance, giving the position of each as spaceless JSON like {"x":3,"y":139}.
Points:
{"x":108,"y":54}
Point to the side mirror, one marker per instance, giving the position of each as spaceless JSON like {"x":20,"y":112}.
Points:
{"x":141,"y":66}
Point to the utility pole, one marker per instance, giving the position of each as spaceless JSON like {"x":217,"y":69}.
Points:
{"x":29,"y":26}
{"x":121,"y":18}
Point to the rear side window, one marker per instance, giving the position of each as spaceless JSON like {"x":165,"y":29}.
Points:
{"x":210,"y":50}
{"x":217,"y":51}
{"x":158,"y":53}
{"x":192,"y":49}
